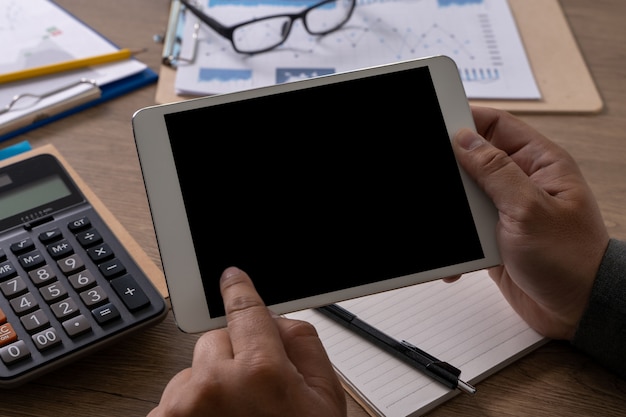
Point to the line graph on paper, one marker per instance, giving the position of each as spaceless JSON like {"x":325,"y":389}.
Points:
{"x":479,"y":35}
{"x":472,"y":44}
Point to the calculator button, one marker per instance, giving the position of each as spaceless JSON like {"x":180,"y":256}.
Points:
{"x":60,"y":249}
{"x":112,"y":268}
{"x":42,"y":275}
{"x":31,"y":260}
{"x":83,"y":279}
{"x":7,"y":270}
{"x":71,"y":264}
{"x":13,"y":286}
{"x":46,"y":338}
{"x":50,"y":235}
{"x":35,"y":320}
{"x":64,"y":308}
{"x":76,"y":325}
{"x":53,"y":292}
{"x":100,"y":253}
{"x":105,"y":313}
{"x":24,"y":303}
{"x":14,"y":352}
{"x":79,"y":224}
{"x":94,"y":296}
{"x":56,"y":298}
{"x":7,"y":334}
{"x":130,"y":293}
{"x":22,"y":246}
{"x":88,"y":237}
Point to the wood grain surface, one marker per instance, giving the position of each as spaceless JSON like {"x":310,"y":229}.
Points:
{"x":128,"y":378}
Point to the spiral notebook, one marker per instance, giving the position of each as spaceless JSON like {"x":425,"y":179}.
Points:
{"x":468,"y":324}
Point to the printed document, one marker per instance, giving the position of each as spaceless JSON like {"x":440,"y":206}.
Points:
{"x":481,"y":36}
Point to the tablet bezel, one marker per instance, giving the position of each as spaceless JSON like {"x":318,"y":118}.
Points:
{"x":173,"y":232}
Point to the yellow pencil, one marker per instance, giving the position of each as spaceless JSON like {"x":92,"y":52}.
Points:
{"x":65,"y":66}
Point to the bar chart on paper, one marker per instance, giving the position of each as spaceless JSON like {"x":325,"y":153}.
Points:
{"x":479,"y":35}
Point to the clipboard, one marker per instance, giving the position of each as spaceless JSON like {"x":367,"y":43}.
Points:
{"x":83,"y":101}
{"x":562,"y":75}
{"x":68,"y":103}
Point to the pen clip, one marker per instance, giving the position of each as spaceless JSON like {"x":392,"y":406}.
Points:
{"x":419,"y":351}
{"x":435,"y":365}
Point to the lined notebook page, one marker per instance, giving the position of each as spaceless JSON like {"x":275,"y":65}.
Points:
{"x":468,"y":324}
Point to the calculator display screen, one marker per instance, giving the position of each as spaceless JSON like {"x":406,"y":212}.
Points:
{"x":32,"y":195}
{"x":34,"y":189}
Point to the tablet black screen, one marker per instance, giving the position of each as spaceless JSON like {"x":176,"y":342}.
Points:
{"x":316,"y":190}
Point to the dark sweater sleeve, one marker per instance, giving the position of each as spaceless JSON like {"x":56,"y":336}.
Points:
{"x":602,"y":329}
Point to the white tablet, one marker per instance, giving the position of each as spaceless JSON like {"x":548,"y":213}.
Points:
{"x":322,"y":190}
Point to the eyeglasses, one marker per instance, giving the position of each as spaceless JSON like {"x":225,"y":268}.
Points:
{"x":266,"y":33}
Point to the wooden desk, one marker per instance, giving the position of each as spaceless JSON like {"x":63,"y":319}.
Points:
{"x":127,"y":379}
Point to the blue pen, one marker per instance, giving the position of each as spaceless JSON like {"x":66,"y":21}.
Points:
{"x":15,"y":149}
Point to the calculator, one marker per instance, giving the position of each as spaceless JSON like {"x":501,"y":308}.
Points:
{"x":68,"y":285}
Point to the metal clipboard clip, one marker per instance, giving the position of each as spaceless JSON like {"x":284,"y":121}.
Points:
{"x":28,"y":108}
{"x":25,"y":100}
{"x":172,"y":43}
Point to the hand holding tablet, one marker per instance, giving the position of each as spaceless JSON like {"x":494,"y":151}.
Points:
{"x":322,"y":190}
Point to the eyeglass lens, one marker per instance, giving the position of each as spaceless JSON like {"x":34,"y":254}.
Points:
{"x":267,"y":33}
{"x":328,"y":16}
{"x":261,"y":34}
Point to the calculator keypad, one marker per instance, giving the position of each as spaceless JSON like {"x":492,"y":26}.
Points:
{"x":64,"y":287}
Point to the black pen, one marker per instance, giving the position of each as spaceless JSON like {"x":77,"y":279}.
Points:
{"x":443,"y":372}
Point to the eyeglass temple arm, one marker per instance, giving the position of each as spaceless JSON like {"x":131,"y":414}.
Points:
{"x":208,"y":20}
